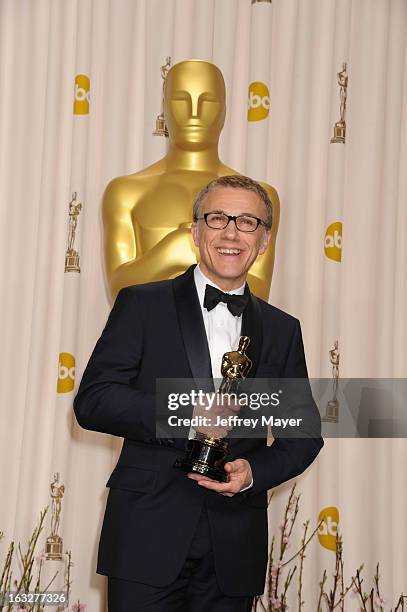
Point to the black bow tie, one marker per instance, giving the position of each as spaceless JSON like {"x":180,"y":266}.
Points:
{"x":235,"y":303}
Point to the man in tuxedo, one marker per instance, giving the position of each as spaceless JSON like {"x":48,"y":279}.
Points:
{"x":174,"y":542}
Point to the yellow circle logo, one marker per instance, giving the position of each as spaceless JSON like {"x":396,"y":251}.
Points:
{"x":328,"y":529}
{"x":66,"y":373}
{"x":333,"y":241}
{"x":81,"y":95}
{"x":258,"y":102}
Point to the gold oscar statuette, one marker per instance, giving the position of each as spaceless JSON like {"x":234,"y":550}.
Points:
{"x":160,"y":127}
{"x":53,"y":546}
{"x":207,"y":455}
{"x":332,"y":407}
{"x":147,"y":215}
{"x":340,"y":126}
{"x":72,"y":256}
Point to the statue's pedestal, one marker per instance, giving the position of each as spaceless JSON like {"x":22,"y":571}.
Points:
{"x":53,"y":548}
{"x":72,"y":261}
{"x":53,"y":573}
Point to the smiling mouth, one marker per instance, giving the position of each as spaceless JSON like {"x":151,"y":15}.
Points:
{"x":228,"y":252}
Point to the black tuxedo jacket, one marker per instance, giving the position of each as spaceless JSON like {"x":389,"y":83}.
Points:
{"x":155,"y":331}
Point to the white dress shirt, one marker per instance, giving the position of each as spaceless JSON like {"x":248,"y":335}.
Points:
{"x":223,"y":329}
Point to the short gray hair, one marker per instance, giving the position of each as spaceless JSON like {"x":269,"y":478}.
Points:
{"x":234,"y":181}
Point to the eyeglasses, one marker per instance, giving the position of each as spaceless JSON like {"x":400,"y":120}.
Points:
{"x":244,"y":223}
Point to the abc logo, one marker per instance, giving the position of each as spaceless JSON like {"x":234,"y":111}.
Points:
{"x":81,"y":95}
{"x":259,"y":101}
{"x":333,"y":241}
{"x":329,"y":527}
{"x":66,"y":373}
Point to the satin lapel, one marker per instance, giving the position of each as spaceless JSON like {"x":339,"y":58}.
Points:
{"x":253,"y":328}
{"x":193,"y":328}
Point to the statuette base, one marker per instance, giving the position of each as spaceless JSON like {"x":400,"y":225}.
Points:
{"x":160,"y":127}
{"x":339,"y":133}
{"x":332,"y":409}
{"x":72,"y":262}
{"x":205,"y":456}
{"x":53,"y":548}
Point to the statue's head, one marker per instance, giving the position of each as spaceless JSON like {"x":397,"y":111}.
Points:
{"x":235,"y":365}
{"x":194,"y":104}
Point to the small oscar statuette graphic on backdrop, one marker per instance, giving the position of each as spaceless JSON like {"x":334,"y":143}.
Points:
{"x":72,"y":256}
{"x":332,"y":407}
{"x":207,"y":455}
{"x":340,"y":126}
{"x":53,"y":546}
{"x":160,"y":127}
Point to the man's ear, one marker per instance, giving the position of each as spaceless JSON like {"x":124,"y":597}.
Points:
{"x":265,"y":241}
{"x":195,"y":234}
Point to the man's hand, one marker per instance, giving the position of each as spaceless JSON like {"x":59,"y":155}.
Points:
{"x":239,"y":476}
{"x":221,"y":409}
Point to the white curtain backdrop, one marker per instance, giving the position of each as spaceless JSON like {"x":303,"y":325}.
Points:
{"x":295,"y":48}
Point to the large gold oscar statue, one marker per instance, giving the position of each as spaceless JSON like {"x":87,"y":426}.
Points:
{"x":147,"y":216}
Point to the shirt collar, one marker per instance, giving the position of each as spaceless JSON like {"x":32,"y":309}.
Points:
{"x":201,"y":281}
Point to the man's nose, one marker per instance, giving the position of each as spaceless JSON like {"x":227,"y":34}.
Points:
{"x":231,"y":230}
